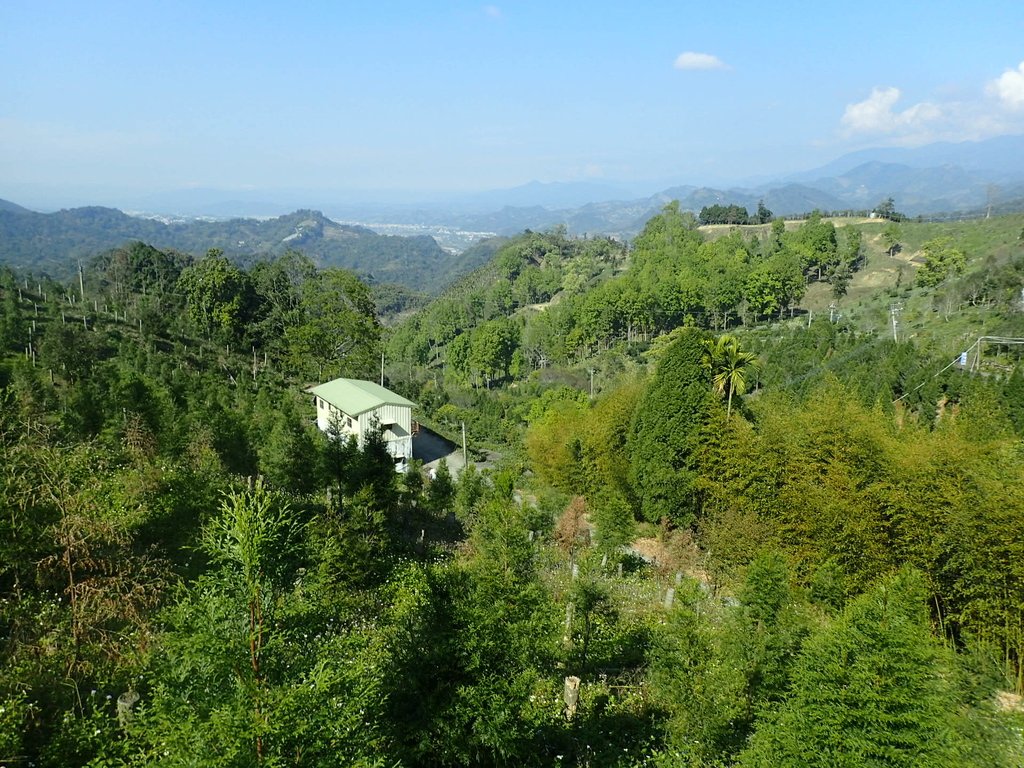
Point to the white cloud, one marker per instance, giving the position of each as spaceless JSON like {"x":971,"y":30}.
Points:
{"x":1009,"y":88}
{"x":876,"y":115}
{"x":691,"y":60}
{"x":994,"y":108}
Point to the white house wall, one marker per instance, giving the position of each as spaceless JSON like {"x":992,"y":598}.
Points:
{"x":399,"y":445}
{"x":325,"y":412}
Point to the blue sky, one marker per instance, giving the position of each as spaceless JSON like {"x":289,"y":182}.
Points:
{"x":104,"y":100}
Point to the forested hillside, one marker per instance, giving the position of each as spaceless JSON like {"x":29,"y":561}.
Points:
{"x":52,"y":242}
{"x":712,"y":529}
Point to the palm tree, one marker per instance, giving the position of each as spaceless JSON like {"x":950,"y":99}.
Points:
{"x":729,"y":365}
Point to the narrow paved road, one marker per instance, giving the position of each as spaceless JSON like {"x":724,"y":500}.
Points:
{"x":429,"y":447}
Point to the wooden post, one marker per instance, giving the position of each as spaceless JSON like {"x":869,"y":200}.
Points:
{"x":571,"y":695}
{"x":125,"y":703}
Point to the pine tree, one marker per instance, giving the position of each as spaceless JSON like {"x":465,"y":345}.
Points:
{"x":873,"y":689}
{"x":665,"y":430}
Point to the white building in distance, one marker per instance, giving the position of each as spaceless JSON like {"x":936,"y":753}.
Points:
{"x":356,"y":406}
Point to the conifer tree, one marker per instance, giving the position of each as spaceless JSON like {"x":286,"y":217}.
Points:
{"x":665,"y":428}
{"x":875,"y":689}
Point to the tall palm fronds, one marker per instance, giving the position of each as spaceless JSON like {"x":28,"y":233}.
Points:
{"x":730,"y":366}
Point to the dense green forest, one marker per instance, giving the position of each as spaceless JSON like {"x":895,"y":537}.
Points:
{"x":732,"y":508}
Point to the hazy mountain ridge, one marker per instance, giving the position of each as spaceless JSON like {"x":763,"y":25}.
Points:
{"x":52,"y":241}
{"x":936,"y":178}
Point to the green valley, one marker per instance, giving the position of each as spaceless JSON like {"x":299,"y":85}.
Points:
{"x":733,"y":498}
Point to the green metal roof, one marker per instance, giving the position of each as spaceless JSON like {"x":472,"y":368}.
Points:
{"x":355,"y":396}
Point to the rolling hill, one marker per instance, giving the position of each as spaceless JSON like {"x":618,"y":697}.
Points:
{"x":51,"y":242}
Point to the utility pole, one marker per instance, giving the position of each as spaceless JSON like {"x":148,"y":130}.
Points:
{"x":382,"y":369}
{"x":81,"y":281}
{"x":591,"y":383}
{"x":894,"y":310}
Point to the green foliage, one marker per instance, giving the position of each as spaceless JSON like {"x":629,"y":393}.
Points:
{"x":941,"y":259}
{"x":334,"y":331}
{"x":698,"y":684}
{"x":727,"y":214}
{"x":553,"y":443}
{"x":288,"y":457}
{"x":441,"y":489}
{"x":254,"y":536}
{"x":718,"y":668}
{"x":666,"y":424}
{"x":891,"y":236}
{"x":887,"y":210}
{"x":471,"y":643}
{"x":1013,"y":395}
{"x":356,"y":627}
{"x":730,"y":367}
{"x":219,"y":296}
{"x":616,"y":524}
{"x":872,"y":689}
{"x":605,"y":435}
{"x":137,"y":267}
{"x":70,"y":349}
{"x":50,"y":241}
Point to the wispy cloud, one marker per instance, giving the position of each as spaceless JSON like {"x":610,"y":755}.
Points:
{"x":1009,"y":88}
{"x":692,"y":60}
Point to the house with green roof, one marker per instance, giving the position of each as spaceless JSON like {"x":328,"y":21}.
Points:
{"x":356,"y":406}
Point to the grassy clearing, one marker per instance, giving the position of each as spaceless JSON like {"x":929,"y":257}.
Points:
{"x":940,"y":318}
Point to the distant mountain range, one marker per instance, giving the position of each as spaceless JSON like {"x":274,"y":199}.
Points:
{"x":51,"y":241}
{"x":933,"y":179}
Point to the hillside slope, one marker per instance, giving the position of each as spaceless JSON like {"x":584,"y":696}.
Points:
{"x":51,"y":242}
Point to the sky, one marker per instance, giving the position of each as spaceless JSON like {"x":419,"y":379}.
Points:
{"x":104,"y":102}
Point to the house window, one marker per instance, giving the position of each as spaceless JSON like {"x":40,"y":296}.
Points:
{"x":349,"y":418}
